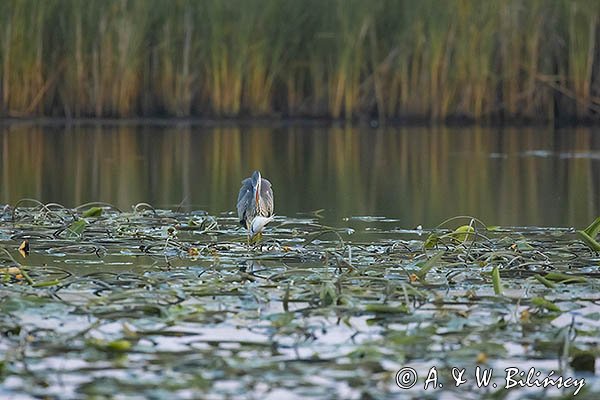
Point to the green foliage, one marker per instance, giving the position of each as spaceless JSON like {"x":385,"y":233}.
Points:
{"x":564,"y":278}
{"x":92,"y":212}
{"x":426,"y":266}
{"x":76,"y":228}
{"x":545,"y":304}
{"x":343,"y":59}
{"x":386,"y":309}
{"x":463,"y":233}
{"x":115,"y":346}
{"x":590,"y":242}
{"x":496,"y":281}
{"x":584,"y":361}
{"x":544,"y":281}
{"x":593,"y":229}
{"x":588,"y":235}
{"x":129,"y":297}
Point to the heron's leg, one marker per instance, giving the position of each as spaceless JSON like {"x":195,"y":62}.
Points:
{"x":248,"y":234}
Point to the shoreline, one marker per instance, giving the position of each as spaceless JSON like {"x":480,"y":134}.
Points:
{"x":372,"y":123}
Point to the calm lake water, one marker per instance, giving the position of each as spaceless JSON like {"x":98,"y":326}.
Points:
{"x":163,"y":304}
{"x":421,"y":176}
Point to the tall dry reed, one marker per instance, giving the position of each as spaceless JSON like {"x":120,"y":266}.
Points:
{"x":390,"y":59}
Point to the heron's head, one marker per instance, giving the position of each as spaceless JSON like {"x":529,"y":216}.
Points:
{"x":258,"y":224}
{"x":256,"y":179}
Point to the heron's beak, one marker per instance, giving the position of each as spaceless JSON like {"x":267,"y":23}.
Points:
{"x":256,"y":238}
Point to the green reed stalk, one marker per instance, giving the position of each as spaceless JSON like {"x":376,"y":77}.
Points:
{"x":344,"y":59}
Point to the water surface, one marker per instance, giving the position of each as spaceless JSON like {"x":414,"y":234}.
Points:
{"x":420,"y":176}
{"x":172,"y":303}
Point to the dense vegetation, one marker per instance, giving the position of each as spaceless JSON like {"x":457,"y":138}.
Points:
{"x":99,"y":303}
{"x":432,"y":60}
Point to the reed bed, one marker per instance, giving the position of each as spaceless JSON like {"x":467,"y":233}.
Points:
{"x":428,"y":60}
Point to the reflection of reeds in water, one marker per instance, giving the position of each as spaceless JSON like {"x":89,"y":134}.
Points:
{"x":421,"y":176}
{"x":392,"y":58}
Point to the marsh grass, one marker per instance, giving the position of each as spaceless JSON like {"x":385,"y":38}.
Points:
{"x":524,"y":60}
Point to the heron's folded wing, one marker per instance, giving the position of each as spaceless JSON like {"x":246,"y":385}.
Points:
{"x":244,"y":199}
{"x":267,"y":206}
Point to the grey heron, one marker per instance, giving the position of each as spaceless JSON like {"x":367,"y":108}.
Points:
{"x":255,"y":204}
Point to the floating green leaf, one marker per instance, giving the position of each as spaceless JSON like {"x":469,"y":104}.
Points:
{"x":92,"y":212}
{"x":76,"y":228}
{"x":544,"y":281}
{"x":593,"y":229}
{"x":279,"y":320}
{"x":463,"y":233}
{"x":522,"y":245}
{"x":427,"y":265}
{"x":496,"y":281}
{"x":52,"y":282}
{"x":543,"y":303}
{"x":327,"y":294}
{"x":589,"y":241}
{"x":386,"y":309}
{"x":564,"y":278}
{"x":431,"y":241}
{"x":119,"y":345}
